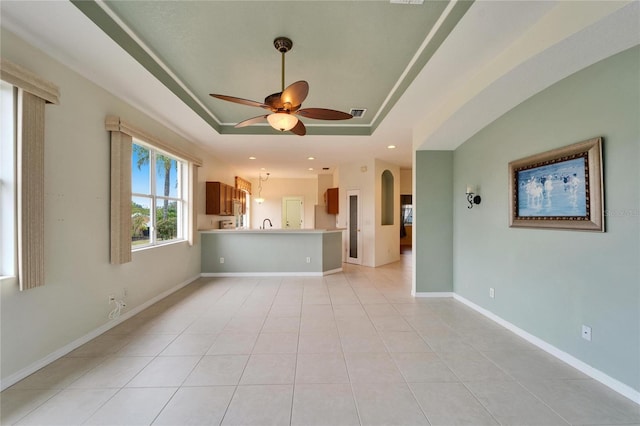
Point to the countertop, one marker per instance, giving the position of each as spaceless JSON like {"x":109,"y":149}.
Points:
{"x":272,"y":231}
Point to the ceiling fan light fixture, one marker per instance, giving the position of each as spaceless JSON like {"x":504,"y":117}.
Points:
{"x":286,"y":105}
{"x":282,"y":121}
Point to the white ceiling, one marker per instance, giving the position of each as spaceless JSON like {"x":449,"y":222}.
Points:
{"x":499,"y":54}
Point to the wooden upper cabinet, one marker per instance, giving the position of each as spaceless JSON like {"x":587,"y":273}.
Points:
{"x":213,"y":198}
{"x":331,"y":200}
{"x":222,"y":197}
{"x":218,"y":199}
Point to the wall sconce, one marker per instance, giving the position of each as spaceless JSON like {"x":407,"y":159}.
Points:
{"x":259,"y":199}
{"x":472,"y":198}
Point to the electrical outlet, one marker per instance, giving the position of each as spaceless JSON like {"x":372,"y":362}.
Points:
{"x":222,"y":260}
{"x":125,"y":292}
{"x":492,"y":292}
{"x":308,"y":259}
{"x":586,"y":332}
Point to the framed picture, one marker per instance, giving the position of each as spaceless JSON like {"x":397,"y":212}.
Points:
{"x":559,"y":189}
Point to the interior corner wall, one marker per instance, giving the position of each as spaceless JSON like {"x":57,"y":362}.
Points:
{"x":324,"y":182}
{"x":387,"y":237}
{"x":37,"y":324}
{"x":433,"y":221}
{"x":551,"y":282}
{"x":359,"y":176}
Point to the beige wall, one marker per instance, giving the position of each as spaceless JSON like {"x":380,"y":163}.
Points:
{"x":324,"y":182}
{"x":273,"y":190}
{"x":380,"y":244}
{"x":359,"y":176}
{"x":406,"y":181}
{"x":38,"y":325}
{"x":387,"y":236}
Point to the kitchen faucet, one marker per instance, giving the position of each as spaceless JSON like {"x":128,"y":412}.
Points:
{"x":267,"y":220}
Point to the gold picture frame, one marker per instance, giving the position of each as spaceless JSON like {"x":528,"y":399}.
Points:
{"x":559,"y":189}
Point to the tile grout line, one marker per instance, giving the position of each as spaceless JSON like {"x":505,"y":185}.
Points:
{"x":235,"y":390}
{"x":353,"y":393}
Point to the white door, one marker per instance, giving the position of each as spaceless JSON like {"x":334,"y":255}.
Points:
{"x":292,"y":217}
{"x":354,"y":241}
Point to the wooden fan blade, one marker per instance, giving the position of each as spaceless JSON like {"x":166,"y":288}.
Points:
{"x":299,"y":129}
{"x":273,"y":101}
{"x":324,"y":114}
{"x":295,"y":94}
{"x":251,"y":121}
{"x":240,"y":101}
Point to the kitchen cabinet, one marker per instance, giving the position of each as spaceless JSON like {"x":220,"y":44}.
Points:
{"x":331,"y":200}
{"x":215,"y":196}
{"x":218,"y":200}
{"x":221,"y":198}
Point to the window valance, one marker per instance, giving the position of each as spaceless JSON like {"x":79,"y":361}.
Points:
{"x":243,"y":184}
{"x":26,"y":80}
{"x":113,"y":123}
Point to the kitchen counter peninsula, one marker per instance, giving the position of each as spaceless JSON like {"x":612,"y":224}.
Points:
{"x":271,"y":252}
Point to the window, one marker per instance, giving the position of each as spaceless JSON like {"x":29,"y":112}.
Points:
{"x":406,"y":202}
{"x":153,"y":196}
{"x":158,"y":196}
{"x":30,"y":95}
{"x":7,"y":179}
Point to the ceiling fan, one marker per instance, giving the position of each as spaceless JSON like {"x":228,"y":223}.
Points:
{"x":285,"y":105}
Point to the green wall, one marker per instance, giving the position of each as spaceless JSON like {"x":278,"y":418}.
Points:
{"x":550,"y":282}
{"x":433,"y":221}
{"x":277,"y":251}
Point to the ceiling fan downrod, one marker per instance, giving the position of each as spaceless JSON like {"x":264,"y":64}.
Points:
{"x":283,"y":45}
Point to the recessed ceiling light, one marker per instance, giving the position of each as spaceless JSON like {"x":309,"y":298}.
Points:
{"x":311,"y":158}
{"x":391,"y":146}
{"x":262,"y":168}
{"x":310,"y":169}
{"x":252,"y":158}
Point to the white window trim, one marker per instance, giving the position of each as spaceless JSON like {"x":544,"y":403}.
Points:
{"x":122,"y":134}
{"x":182,"y":198}
{"x":8,"y":127}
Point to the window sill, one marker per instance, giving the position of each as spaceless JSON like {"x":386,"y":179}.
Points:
{"x":168,"y":243}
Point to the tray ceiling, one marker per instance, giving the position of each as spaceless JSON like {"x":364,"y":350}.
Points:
{"x":353,"y":54}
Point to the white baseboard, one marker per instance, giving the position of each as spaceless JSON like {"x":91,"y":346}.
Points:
{"x":610,"y":382}
{"x":332,"y":271}
{"x":434,"y":294}
{"x":30,"y":369}
{"x":270,"y":274}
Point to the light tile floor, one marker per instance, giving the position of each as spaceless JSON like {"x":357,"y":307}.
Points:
{"x":347,"y":349}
